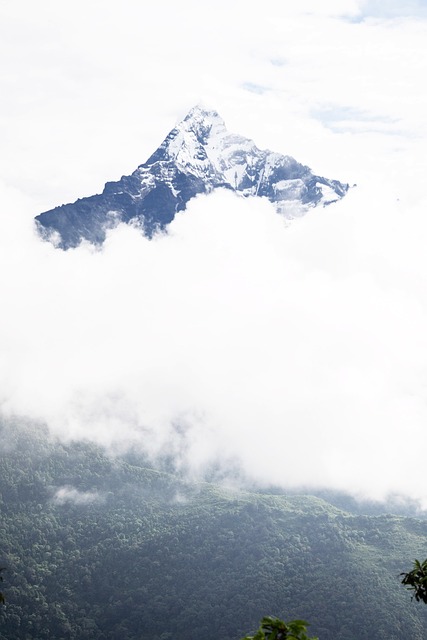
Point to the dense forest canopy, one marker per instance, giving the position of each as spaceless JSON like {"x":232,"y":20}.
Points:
{"x":105,"y":548}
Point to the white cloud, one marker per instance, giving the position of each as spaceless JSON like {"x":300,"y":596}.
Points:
{"x":300,"y":352}
{"x":297,"y":352}
{"x":66,"y":494}
{"x":90,"y":89}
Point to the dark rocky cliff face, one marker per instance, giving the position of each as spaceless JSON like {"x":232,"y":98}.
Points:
{"x":197,"y":156}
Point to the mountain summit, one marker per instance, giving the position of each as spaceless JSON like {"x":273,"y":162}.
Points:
{"x":197,"y":156}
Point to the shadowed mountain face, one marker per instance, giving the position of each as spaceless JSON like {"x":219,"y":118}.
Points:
{"x":198,"y":156}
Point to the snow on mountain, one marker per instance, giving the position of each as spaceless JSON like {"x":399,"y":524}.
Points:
{"x":197,"y":156}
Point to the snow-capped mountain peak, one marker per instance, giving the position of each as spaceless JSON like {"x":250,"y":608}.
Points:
{"x":195,"y":141}
{"x":197,"y":156}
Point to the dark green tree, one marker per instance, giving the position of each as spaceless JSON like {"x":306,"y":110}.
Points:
{"x":416,"y":581}
{"x":272,"y":628}
{"x":1,"y":580}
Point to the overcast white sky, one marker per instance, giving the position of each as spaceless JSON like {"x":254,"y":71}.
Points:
{"x":300,"y":352}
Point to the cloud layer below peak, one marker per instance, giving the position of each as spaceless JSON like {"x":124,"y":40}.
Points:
{"x":295,"y":352}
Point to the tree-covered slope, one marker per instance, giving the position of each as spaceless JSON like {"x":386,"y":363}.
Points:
{"x":100,"y":548}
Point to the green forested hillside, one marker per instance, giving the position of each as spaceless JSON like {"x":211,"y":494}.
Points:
{"x":104,"y":549}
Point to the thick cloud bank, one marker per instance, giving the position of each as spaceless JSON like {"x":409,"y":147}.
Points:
{"x":297,"y":352}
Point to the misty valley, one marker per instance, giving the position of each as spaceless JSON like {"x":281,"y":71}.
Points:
{"x":213,"y":345}
{"x":203,"y":345}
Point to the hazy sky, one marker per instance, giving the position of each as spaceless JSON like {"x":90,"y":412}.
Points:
{"x":299,"y":352}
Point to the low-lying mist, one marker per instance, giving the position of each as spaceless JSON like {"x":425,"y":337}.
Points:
{"x":295,"y":352}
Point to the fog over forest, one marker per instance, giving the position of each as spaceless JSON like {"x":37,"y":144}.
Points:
{"x":295,"y":353}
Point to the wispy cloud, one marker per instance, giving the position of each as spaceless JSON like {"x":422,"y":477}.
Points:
{"x":67,"y":494}
{"x":255,"y":88}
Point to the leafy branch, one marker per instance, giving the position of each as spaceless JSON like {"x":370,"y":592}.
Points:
{"x":416,"y":581}
{"x":272,"y":628}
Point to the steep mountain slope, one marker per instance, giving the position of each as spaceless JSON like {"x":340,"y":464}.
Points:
{"x":109,"y":549}
{"x":197,"y":156}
